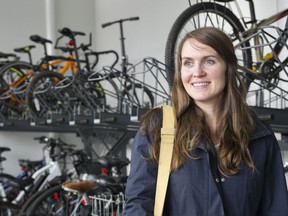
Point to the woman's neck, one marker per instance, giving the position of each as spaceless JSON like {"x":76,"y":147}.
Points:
{"x":212,"y":118}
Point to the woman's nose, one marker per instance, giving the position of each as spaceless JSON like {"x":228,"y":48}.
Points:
{"x":198,"y":71}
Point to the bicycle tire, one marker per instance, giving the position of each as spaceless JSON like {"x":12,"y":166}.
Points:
{"x":13,"y":71}
{"x":54,"y":201}
{"x":29,"y":202}
{"x":48,"y":97}
{"x":89,"y":94}
{"x":111,"y":94}
{"x":200,"y":15}
{"x":7,"y":208}
{"x":136,"y":95}
{"x":13,"y":80}
{"x":11,"y":185}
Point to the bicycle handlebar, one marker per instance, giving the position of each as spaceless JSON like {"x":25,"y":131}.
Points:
{"x":96,"y":54}
{"x":120,"y":21}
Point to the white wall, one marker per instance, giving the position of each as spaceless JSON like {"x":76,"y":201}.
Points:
{"x":146,"y":37}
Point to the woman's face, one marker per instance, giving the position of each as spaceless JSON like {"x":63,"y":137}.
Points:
{"x":202,"y":73}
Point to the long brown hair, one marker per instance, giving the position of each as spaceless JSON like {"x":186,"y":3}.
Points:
{"x":236,"y":125}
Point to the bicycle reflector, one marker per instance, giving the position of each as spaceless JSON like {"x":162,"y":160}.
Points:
{"x":71,"y":43}
{"x":56,"y":196}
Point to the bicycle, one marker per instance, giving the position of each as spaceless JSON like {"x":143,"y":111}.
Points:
{"x":11,"y":186}
{"x":74,"y":198}
{"x":21,"y":189}
{"x":134,"y":90}
{"x":52,"y":92}
{"x":257,"y":43}
{"x":8,"y":187}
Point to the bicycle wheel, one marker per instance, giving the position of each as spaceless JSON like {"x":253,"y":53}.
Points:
{"x":109,"y":89}
{"x":88,"y":95}
{"x":111,"y":94}
{"x":40,"y":95}
{"x":202,"y":15}
{"x":53,"y":201}
{"x":136,"y":95}
{"x":14,"y":77}
{"x":11,"y":187}
{"x":14,"y":74}
{"x":8,"y":209}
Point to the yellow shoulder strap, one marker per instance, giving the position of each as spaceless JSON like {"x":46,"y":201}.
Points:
{"x":165,"y":156}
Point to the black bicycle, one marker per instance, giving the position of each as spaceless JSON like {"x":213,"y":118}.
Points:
{"x":130,"y":92}
{"x":258,"y":43}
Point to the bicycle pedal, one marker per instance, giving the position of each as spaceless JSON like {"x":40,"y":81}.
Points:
{"x":79,"y":187}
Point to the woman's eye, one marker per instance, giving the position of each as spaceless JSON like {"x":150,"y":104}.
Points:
{"x":210,"y":62}
{"x":188,"y":64}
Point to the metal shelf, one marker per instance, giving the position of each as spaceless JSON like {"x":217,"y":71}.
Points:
{"x":277,"y":118}
{"x":91,"y":128}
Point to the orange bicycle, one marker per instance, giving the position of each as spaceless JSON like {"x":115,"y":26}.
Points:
{"x":16,"y":75}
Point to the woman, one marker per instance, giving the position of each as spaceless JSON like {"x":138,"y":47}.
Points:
{"x":225,"y":160}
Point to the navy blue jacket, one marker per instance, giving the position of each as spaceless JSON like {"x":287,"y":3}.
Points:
{"x":197,"y":188}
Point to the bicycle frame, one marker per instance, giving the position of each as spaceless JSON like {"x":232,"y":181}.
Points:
{"x":256,"y":26}
{"x":256,"y":31}
{"x":40,"y":178}
{"x":49,"y":171}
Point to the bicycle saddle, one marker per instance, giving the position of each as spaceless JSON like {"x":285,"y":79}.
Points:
{"x":113,"y":161}
{"x":110,"y":181}
{"x":6,"y":55}
{"x":25,"y":49}
{"x":3,"y":149}
{"x":68,"y":33}
{"x":30,"y":165}
{"x":79,"y":186}
{"x":39,"y":39}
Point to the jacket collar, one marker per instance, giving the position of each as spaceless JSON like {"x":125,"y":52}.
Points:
{"x":263,"y":129}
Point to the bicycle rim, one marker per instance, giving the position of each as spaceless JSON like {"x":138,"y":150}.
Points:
{"x":111,"y":94}
{"x":136,"y":96}
{"x":11,"y":186}
{"x":202,"y":15}
{"x":13,"y":84}
{"x":8,"y":209}
{"x":91,"y":97}
{"x":40,"y":95}
{"x":12,"y":73}
{"x":53,"y":201}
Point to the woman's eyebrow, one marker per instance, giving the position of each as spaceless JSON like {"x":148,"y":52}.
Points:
{"x":202,"y":57}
